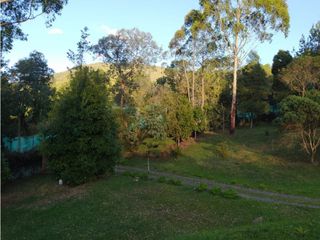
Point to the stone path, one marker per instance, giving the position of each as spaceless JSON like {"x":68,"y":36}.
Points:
{"x":248,"y":193}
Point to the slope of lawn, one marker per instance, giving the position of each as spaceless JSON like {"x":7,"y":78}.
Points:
{"x":121,"y":207}
{"x":261,"y":157}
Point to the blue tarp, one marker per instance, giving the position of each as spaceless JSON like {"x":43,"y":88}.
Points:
{"x":21,"y":144}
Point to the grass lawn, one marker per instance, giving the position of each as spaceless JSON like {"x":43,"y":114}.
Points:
{"x":119,"y":207}
{"x":261,"y":158}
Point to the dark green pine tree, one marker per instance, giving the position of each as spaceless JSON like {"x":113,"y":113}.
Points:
{"x":81,"y":135}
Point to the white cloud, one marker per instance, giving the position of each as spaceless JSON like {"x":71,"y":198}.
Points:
{"x":55,"y":31}
{"x":108,"y":30}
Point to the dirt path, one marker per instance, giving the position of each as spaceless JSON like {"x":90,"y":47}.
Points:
{"x":248,"y":193}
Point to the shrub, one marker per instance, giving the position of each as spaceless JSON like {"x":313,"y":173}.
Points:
{"x":81,"y":133}
{"x":5,"y":170}
{"x":303,"y":114}
{"x":176,"y":152}
{"x":142,"y":176}
{"x":179,"y":117}
{"x":162,"y":179}
{"x":230,"y":193}
{"x":156,"y":148}
{"x":200,"y":122}
{"x":128,"y":174}
{"x":202,"y":187}
{"x":23,"y":164}
{"x":222,"y":149}
{"x":174,"y":182}
{"x":216,"y":191}
{"x":152,"y":122}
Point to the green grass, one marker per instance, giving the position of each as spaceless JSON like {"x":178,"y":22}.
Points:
{"x":119,"y":207}
{"x":250,"y":158}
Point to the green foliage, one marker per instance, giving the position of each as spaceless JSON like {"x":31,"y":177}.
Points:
{"x":129,"y":130}
{"x":8,"y":99}
{"x":301,"y":231}
{"x":200,"y":121}
{"x":128,"y":174}
{"x":162,"y":179}
{"x":230,"y":194}
{"x":142,"y":176}
{"x":15,"y":12}
{"x":311,"y":45}
{"x":279,"y":89}
{"x":300,"y":111}
{"x":26,"y":87}
{"x":81,"y":135}
{"x":5,"y":170}
{"x":235,"y":23}
{"x":201,"y":187}
{"x":303,"y":114}
{"x":179,"y":116}
{"x":302,"y":74}
{"x":155,"y":148}
{"x":254,"y":87}
{"x":216,"y":191}
{"x":126,"y":52}
{"x":77,"y":58}
{"x":152,"y":122}
{"x":223,"y":150}
{"x":175,"y":182}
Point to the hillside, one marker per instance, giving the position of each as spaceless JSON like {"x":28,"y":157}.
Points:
{"x":61,"y":79}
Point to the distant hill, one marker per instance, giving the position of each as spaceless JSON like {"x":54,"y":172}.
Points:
{"x":61,"y":79}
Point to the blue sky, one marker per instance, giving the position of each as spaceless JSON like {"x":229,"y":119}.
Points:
{"x":159,"y":17}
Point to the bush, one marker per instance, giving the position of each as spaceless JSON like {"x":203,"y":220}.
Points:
{"x":128,"y":126}
{"x":303,"y":115}
{"x":152,"y":122}
{"x":179,"y":117}
{"x":5,"y":170}
{"x":222,"y":149}
{"x":81,"y":133}
{"x":216,"y":191}
{"x":162,"y":179}
{"x":202,"y":187}
{"x":230,"y":193}
{"x":156,"y":148}
{"x":174,"y":182}
{"x":23,"y":164}
{"x":143,"y":176}
{"x":200,"y":121}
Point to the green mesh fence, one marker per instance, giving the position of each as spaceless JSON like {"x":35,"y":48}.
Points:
{"x":21,"y":144}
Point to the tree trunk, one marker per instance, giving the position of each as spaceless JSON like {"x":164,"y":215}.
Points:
{"x":251,"y":122}
{"x":202,"y":91}
{"x":193,"y":75}
{"x":122,"y":94}
{"x":233,"y":111}
{"x":44,"y":164}
{"x":223,"y":120}
{"x":313,"y":157}
{"x":188,"y":83}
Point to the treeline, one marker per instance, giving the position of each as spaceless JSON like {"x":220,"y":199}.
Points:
{"x":206,"y":86}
